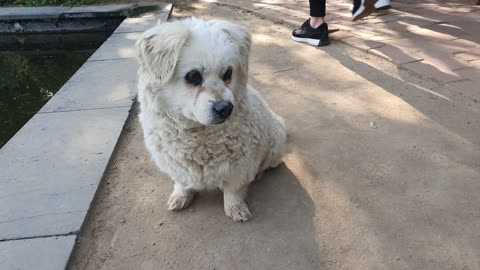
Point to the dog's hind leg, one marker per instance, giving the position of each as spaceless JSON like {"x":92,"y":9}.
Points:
{"x":279,"y":137}
{"x":180,"y":198}
{"x":274,"y":155}
{"x":234,"y":204}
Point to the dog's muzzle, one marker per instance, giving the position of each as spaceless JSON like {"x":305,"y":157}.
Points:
{"x":221,"y":111}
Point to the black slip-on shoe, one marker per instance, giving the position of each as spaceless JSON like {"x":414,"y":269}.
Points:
{"x":313,"y":36}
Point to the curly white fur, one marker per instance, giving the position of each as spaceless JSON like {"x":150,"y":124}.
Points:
{"x":176,"y":116}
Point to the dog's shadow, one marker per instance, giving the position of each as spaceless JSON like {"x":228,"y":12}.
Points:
{"x":281,"y":229}
{"x":277,"y":195}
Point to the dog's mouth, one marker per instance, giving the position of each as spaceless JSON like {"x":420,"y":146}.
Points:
{"x":219,"y":121}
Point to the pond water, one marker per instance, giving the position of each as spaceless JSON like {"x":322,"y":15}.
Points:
{"x":33,"y":68}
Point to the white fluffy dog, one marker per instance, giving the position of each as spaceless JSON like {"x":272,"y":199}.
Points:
{"x":203,"y":125}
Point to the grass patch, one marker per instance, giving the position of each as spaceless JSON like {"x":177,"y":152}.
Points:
{"x":45,"y":2}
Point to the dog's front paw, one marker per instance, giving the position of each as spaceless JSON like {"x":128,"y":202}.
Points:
{"x":178,"y":202}
{"x":238,"y":211}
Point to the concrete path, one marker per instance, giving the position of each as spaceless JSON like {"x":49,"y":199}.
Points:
{"x":432,"y":38}
{"x":383,"y":173}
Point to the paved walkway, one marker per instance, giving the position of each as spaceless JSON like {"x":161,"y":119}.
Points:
{"x":382,"y":173}
{"x":438,"y":40}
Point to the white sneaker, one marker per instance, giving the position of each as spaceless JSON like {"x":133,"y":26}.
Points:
{"x":383,"y":5}
{"x":379,"y":5}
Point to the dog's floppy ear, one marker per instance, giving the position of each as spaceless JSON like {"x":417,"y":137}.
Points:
{"x":158,"y":49}
{"x":240,"y":35}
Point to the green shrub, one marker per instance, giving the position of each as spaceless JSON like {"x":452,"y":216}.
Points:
{"x":44,"y":2}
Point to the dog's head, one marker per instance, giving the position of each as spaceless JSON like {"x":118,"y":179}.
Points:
{"x":194,"y":68}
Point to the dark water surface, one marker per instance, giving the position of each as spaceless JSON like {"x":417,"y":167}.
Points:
{"x":33,"y":68}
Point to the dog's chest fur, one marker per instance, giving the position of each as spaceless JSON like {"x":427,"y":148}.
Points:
{"x":206,"y":156}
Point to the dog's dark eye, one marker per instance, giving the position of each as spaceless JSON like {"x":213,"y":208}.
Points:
{"x":194,"y":77}
{"x":227,"y":76}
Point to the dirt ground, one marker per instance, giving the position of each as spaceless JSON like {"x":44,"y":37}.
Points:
{"x":383,"y":172}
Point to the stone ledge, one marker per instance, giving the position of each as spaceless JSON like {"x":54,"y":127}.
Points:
{"x":39,"y":254}
{"x":62,"y":19}
{"x":55,"y":12}
{"x":30,"y":13}
{"x":97,"y":84}
{"x":118,"y":46}
{"x":51,"y":168}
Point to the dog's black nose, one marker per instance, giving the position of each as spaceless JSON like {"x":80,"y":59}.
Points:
{"x":222,"y":109}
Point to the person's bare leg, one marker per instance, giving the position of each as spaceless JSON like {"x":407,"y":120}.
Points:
{"x":316,"y":21}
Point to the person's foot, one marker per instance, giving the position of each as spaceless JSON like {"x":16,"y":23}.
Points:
{"x":383,"y":5}
{"x":379,"y":5}
{"x":362,"y":8}
{"x":313,"y":36}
